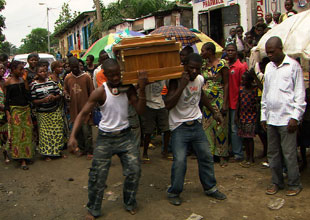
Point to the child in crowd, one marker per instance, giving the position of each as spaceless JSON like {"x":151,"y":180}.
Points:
{"x":90,"y":67}
{"x":31,"y":71}
{"x":246,"y":116}
{"x":77,"y":88}
{"x":18,"y":115}
{"x":46,"y":98}
{"x":82,"y":66}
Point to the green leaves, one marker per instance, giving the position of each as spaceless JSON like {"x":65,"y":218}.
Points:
{"x":36,"y":41}
{"x":65,"y":17}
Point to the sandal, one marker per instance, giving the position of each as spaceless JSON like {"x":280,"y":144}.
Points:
{"x":24,"y":167}
{"x":223,"y":163}
{"x":272,"y":189}
{"x":7,"y":160}
{"x":265,"y":165}
{"x":89,"y":156}
{"x":146,"y":160}
{"x":151,"y":146}
{"x":245,"y":164}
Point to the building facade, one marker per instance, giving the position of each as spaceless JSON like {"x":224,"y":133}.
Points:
{"x":216,"y":17}
{"x":178,"y":15}
{"x":75,"y":36}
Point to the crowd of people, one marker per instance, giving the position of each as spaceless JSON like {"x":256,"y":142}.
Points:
{"x":213,"y":112}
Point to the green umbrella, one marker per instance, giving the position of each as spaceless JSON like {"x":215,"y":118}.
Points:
{"x":98,"y":46}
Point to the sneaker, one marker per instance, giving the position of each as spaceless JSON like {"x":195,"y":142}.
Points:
{"x":272,"y":189}
{"x":293,"y":192}
{"x":175,"y":200}
{"x":217,"y":195}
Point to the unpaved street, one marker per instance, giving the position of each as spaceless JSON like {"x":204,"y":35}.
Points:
{"x":58,"y":190}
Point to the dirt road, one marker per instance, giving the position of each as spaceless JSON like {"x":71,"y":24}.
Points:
{"x":58,"y":190}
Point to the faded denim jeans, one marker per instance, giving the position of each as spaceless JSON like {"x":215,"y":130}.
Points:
{"x":107,"y":146}
{"x":181,"y":138}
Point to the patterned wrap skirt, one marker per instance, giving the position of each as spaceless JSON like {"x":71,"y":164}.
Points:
{"x":4,"y":136}
{"x":51,"y":132}
{"x":20,"y":133}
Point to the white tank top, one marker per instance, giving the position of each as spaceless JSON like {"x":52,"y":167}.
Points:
{"x":114,"y":112}
{"x":187,"y":108}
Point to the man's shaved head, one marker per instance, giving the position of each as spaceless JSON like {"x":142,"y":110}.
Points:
{"x":275,"y":41}
{"x":274,"y":50}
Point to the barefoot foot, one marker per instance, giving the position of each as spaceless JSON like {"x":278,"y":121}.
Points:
{"x":89,"y":216}
{"x":132,"y":212}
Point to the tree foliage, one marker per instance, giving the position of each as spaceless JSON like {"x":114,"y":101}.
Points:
{"x":115,"y":12}
{"x":36,"y":41}
{"x":2,"y":21}
{"x":65,"y":17}
{"x":8,"y":48}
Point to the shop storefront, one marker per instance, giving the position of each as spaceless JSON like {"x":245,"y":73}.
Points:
{"x":217,"y":17}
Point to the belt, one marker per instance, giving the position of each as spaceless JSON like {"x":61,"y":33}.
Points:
{"x":190,"y":122}
{"x":117,"y":132}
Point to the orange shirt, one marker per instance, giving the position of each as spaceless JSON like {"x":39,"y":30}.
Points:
{"x":100,"y":78}
{"x":164,"y":91}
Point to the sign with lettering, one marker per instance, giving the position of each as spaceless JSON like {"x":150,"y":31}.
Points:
{"x":208,"y":3}
{"x":272,"y":6}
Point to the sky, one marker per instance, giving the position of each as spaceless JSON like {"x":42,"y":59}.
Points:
{"x":21,"y":16}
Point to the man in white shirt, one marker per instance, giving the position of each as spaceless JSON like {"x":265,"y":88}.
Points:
{"x":182,"y":101}
{"x":282,"y":106}
{"x":269,"y":21}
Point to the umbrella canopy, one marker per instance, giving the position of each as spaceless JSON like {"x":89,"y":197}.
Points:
{"x":295,"y":34}
{"x":204,"y":39}
{"x":100,"y":44}
{"x":181,"y":34}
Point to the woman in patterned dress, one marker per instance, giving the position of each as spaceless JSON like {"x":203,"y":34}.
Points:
{"x":216,"y":74}
{"x":46,"y":98}
{"x":18,"y":114}
{"x":57,"y":76}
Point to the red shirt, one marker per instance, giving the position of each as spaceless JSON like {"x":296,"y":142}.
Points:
{"x":235,"y":74}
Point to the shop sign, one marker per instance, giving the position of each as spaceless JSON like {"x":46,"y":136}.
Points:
{"x":208,"y":3}
{"x":260,"y":12}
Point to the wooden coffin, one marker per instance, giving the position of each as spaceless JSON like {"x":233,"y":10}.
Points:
{"x":158,"y":56}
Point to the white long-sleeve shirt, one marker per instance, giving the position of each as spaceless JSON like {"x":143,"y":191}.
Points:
{"x":96,"y":71}
{"x":284,"y":93}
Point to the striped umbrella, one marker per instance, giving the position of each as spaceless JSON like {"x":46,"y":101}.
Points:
{"x":180,"y":33}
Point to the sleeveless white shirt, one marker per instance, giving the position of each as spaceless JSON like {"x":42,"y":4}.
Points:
{"x":114,"y":112}
{"x":187,"y":108}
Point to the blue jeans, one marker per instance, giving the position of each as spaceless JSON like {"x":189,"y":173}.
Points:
{"x":181,"y":138}
{"x":236,"y":141}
